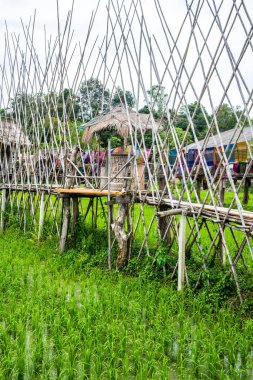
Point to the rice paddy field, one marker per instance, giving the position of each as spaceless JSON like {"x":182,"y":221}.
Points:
{"x":61,"y":318}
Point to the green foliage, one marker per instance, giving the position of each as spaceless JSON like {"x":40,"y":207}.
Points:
{"x":93,"y":98}
{"x":227,"y":117}
{"x":181,"y":136}
{"x":199,"y":115}
{"x":61,"y":318}
{"x":120,"y":98}
{"x":156,"y":100}
{"x":44,"y":116}
{"x":104,"y":136}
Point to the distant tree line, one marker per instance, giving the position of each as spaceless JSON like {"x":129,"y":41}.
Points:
{"x":52,"y":111}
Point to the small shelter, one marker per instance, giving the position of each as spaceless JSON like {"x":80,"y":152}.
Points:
{"x":120,"y":119}
{"x":236,"y":142}
{"x":11,"y":138}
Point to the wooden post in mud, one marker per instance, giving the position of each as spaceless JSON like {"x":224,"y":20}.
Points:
{"x":222,"y":188}
{"x":163,"y":223}
{"x":75,"y":211}
{"x":181,"y":251}
{"x":199,"y":183}
{"x":246,"y":191}
{"x":124,"y":238}
{"x":3,"y":209}
{"x":65,"y":222}
{"x":42,"y":214}
{"x":66,"y":200}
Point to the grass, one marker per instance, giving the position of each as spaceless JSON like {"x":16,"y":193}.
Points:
{"x":61,"y":319}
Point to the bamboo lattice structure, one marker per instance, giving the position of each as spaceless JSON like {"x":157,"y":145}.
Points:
{"x":49,"y":124}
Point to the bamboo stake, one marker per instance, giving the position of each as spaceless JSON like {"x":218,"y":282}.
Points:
{"x":42,"y":215}
{"x":181,"y":251}
{"x":3,"y":209}
{"x":108,"y":200}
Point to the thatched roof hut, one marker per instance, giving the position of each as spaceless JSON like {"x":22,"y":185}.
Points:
{"x":11,"y":134}
{"x":121,"y":119}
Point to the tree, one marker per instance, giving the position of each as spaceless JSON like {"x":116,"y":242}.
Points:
{"x":157,"y":101}
{"x":199,"y":115}
{"x":93,"y":98}
{"x":180,"y":136}
{"x":67,"y":105}
{"x":227,"y":117}
{"x":120,"y":98}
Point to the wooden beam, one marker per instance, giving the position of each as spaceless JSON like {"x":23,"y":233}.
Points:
{"x":175,"y":211}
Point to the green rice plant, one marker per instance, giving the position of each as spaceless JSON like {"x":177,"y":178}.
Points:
{"x":73,"y":321}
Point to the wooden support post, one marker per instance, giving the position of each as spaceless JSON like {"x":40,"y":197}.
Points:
{"x":122,"y":221}
{"x":75,"y":209}
{"x":222,"y":188}
{"x":42,"y":214}
{"x":66,"y":200}
{"x":3,"y":209}
{"x":65,"y":223}
{"x":163,"y":223}
{"x":246,"y":190}
{"x":181,"y":251}
{"x":199,"y":181}
{"x":121,"y":236}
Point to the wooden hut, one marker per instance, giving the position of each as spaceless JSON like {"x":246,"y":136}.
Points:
{"x":237,"y":143}
{"x":123,"y":121}
{"x":12,"y":139}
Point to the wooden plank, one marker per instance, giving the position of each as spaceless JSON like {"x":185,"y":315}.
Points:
{"x":88,"y":192}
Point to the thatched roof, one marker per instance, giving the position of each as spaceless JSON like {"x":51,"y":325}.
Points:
{"x":11,"y":134}
{"x":226,"y":138}
{"x":121,"y":119}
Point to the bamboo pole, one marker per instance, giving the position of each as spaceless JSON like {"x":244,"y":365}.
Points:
{"x":75,"y":208}
{"x":3,"y":209}
{"x":65,"y":223}
{"x":42,"y":214}
{"x":108,"y":200}
{"x":66,"y":202}
{"x":181,"y":251}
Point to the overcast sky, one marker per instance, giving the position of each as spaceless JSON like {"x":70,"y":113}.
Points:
{"x":12,"y":11}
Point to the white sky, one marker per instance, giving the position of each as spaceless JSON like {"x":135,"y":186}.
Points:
{"x":12,"y":11}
